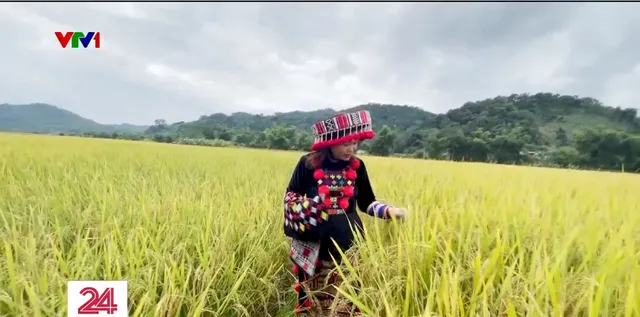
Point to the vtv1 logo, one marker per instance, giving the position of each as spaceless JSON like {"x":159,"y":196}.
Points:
{"x":102,"y":298}
{"x":78,"y":37}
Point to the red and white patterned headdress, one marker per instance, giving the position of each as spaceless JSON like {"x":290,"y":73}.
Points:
{"x":345,"y":127}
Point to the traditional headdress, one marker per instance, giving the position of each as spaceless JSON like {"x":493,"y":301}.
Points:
{"x":342,"y":128}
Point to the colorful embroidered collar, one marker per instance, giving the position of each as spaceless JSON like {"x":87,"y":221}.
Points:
{"x":337,"y":187}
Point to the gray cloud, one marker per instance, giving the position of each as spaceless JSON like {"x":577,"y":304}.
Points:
{"x":181,"y":60}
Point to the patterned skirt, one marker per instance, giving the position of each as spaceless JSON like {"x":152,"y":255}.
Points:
{"x":317,"y":293}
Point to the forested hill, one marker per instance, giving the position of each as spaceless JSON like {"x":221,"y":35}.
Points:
{"x":542,"y":129}
{"x":45,"y":118}
{"x":545,"y":128}
{"x":544,"y":111}
{"x":392,"y":115}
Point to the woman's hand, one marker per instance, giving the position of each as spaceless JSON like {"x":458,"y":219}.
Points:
{"x":397,"y":213}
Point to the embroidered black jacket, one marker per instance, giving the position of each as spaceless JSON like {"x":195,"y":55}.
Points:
{"x":306,"y":216}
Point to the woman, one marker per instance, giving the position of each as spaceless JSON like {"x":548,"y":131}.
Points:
{"x":320,"y":207}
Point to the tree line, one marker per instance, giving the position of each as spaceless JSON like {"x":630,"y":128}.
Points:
{"x":543,"y":129}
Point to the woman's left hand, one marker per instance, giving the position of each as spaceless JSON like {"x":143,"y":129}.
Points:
{"x":397,"y":213}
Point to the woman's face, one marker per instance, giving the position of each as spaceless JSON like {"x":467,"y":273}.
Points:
{"x":345,"y":150}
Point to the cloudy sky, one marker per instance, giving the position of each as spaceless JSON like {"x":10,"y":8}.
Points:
{"x":179,"y":61}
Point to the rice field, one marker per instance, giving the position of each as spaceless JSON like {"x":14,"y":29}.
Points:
{"x":197,"y":231}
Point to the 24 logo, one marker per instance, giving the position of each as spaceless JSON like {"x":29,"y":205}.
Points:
{"x":102,"y":298}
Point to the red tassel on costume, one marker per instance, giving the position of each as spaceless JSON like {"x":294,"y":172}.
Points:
{"x":323,"y":190}
{"x":343,"y":203}
{"x":327,"y":202}
{"x":295,"y":269}
{"x":348,"y":191}
{"x":318,"y":174}
{"x":350,"y":174}
{"x":297,"y":288}
{"x":355,"y":164}
{"x":307,"y":303}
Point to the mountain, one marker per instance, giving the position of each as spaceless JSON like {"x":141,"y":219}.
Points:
{"x":45,"y":118}
{"x":542,"y":129}
{"x":383,"y":114}
{"x":544,"y":113}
